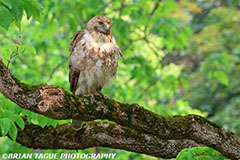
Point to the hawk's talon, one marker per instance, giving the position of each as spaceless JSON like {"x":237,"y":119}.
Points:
{"x":102,"y":95}
{"x":92,"y":97}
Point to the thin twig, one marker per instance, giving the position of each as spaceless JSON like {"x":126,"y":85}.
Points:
{"x":154,"y":9}
{"x":12,"y":56}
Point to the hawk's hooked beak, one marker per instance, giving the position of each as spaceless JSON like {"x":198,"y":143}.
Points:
{"x":107,"y":28}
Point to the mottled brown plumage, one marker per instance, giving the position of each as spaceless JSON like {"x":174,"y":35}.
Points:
{"x":93,"y":57}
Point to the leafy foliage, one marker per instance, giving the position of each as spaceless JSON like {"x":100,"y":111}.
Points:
{"x":180,"y":57}
{"x":8,"y":117}
{"x":12,"y":11}
{"x":200,"y":153}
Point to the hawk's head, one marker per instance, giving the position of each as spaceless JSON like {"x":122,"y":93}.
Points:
{"x":100,"y":24}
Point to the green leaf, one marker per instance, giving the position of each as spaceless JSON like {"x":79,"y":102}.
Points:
{"x":6,"y":114}
{"x":28,"y":9}
{"x":20,"y":122}
{"x":30,"y":49}
{"x":13,"y":131}
{"x":5,"y":17}
{"x":6,"y":3}
{"x":5,"y":124}
{"x":29,"y":119}
{"x":222,"y":77}
{"x":52,"y":122}
{"x":18,"y":24}
{"x":28,"y":114}
{"x":208,"y":157}
{"x":32,"y":8}
{"x":16,"y":12}
{"x":34,"y":118}
{"x":42,"y":121}
{"x":199,"y":150}
{"x":184,"y":155}
{"x":37,"y":8}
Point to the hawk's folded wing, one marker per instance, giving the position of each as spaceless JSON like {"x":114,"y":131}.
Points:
{"x":74,"y":72}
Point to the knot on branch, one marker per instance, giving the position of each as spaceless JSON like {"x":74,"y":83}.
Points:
{"x":51,"y":97}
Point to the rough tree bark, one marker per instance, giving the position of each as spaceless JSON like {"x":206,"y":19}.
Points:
{"x":137,"y":129}
{"x":103,"y":134}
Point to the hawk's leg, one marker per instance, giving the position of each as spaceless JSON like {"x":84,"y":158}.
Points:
{"x":89,"y":90}
{"x":90,"y":94}
{"x":99,"y":93}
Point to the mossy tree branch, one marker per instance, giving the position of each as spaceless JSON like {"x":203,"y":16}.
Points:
{"x":54,"y":102}
{"x":103,"y":134}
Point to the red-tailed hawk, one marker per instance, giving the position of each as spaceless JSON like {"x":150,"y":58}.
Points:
{"x":93,"y":57}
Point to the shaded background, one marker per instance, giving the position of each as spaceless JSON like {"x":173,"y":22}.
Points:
{"x":179,"y":57}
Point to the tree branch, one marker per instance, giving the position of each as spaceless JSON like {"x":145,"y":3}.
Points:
{"x":54,"y":102}
{"x":102,"y":134}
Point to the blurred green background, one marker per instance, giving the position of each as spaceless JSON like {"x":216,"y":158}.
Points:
{"x":179,"y":57}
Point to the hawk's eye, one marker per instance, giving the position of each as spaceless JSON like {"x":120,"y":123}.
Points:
{"x":100,"y":23}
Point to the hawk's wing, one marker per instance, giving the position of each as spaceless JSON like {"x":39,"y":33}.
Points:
{"x":74,"y":72}
{"x":118,"y":49}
